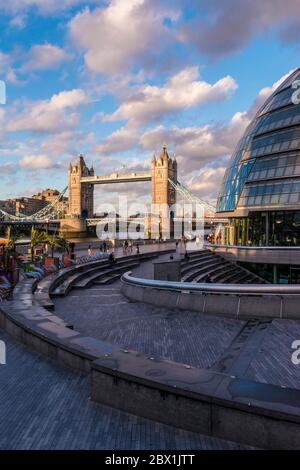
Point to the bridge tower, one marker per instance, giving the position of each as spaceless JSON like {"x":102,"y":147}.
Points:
{"x":81,"y":195}
{"x":163,"y":168}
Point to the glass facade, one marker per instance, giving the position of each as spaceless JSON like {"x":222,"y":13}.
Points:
{"x":260,"y":193}
{"x":264,"y":170}
{"x":271,"y":228}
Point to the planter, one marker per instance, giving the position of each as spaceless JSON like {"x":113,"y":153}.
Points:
{"x":51,"y":261}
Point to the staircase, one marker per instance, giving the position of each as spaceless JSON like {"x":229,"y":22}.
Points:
{"x":204,"y":262}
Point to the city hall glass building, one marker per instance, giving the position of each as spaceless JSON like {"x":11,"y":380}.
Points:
{"x":260,"y":192}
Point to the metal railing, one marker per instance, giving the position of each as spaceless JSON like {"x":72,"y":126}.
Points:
{"x":237,"y":289}
{"x":243,"y":247}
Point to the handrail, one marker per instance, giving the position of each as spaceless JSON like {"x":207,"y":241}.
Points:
{"x":242,"y":247}
{"x":253,"y":289}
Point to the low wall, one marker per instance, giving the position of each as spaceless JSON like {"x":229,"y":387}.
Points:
{"x":258,"y":254}
{"x":211,"y":403}
{"x":195,"y":399}
{"x":235,"y":301}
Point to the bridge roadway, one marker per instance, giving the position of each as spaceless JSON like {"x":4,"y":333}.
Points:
{"x":117,"y":178}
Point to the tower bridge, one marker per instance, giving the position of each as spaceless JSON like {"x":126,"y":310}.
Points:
{"x":82,"y":180}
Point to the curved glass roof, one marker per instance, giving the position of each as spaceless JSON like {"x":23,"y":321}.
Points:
{"x":266,"y":156}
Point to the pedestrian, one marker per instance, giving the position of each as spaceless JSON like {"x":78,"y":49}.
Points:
{"x":90,"y":250}
{"x":104,"y":247}
{"x":137,"y":249}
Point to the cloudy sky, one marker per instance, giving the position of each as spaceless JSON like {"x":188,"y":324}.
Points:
{"x":116,"y":79}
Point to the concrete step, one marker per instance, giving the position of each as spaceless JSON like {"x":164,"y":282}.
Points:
{"x":190,"y":276}
{"x":186,"y":266}
{"x":114,"y":269}
{"x":107,"y":279}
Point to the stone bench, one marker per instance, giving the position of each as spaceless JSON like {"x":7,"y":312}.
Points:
{"x":111,"y":273}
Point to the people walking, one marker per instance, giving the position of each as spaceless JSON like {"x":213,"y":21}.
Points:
{"x":112,"y":258}
{"x":90,"y":250}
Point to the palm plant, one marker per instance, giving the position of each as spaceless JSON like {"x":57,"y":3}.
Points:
{"x":59,"y":243}
{"x":12,"y":238}
{"x":36,"y":238}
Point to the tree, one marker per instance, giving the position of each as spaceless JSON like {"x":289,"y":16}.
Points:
{"x":59,"y":243}
{"x":36,"y":238}
{"x":12,"y":238}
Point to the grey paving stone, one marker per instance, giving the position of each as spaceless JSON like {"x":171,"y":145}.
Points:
{"x":46,"y":406}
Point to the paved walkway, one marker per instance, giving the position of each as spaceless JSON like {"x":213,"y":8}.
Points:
{"x":46,"y":406}
{"x":187,"y":337}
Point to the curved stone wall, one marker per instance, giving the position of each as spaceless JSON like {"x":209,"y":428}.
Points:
{"x":236,"y":301}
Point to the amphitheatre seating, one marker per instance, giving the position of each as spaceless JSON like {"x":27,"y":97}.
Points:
{"x":203,"y":263}
{"x":83,"y":275}
{"x":104,"y":276}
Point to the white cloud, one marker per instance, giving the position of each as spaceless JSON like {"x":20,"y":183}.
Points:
{"x":7,"y":168}
{"x":224,"y":27}
{"x":44,"y":56}
{"x":6,"y":68}
{"x":18,"y":21}
{"x":66,"y":143}
{"x":206,"y":182}
{"x":37,"y":162}
{"x":119,"y":141}
{"x":48,"y":115}
{"x":182,"y":91}
{"x":114,"y":36}
{"x":195,"y":146}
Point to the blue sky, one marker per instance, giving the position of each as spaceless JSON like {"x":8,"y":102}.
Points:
{"x":117,"y":79}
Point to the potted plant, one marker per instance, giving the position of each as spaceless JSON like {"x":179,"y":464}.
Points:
{"x":36,"y":238}
{"x":56,"y":243}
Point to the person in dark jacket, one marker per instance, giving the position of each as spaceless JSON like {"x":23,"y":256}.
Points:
{"x":112,"y":258}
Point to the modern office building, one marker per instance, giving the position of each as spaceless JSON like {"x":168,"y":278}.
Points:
{"x":260,"y":193}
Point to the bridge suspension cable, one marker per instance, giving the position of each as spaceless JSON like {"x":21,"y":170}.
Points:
{"x":48,"y":212}
{"x":186,"y":194}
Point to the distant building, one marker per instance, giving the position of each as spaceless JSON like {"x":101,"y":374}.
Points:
{"x":25,"y":205}
{"x":50,"y":196}
{"x":31,"y":205}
